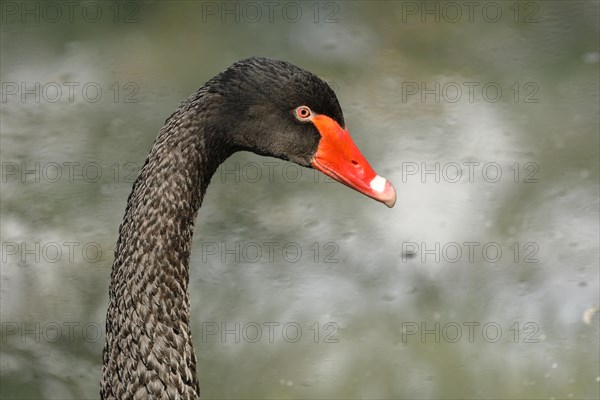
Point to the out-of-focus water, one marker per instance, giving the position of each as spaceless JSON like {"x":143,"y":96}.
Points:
{"x":480,"y":283}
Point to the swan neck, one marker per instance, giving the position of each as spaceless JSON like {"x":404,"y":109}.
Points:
{"x":149,"y":350}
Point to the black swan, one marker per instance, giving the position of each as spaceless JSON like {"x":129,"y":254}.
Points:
{"x":269,"y":107}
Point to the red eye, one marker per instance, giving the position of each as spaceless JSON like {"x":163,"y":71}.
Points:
{"x":303,"y":113}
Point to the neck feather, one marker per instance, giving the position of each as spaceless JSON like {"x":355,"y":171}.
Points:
{"x":149,"y":351}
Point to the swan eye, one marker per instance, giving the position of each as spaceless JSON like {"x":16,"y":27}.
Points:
{"x":303,"y":113}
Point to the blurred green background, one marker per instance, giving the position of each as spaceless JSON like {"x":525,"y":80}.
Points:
{"x":500,"y":98}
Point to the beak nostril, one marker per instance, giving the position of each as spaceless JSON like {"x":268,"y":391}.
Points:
{"x":354,"y":162}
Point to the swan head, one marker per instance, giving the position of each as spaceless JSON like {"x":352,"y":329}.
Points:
{"x":277,"y":109}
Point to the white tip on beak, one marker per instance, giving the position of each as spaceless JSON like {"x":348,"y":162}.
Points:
{"x":384,"y":191}
{"x":378,"y":184}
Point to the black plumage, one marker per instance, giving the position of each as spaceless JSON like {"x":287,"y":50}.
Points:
{"x":249,"y":106}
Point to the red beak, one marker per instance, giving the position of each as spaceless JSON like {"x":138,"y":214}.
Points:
{"x":338,"y":157}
